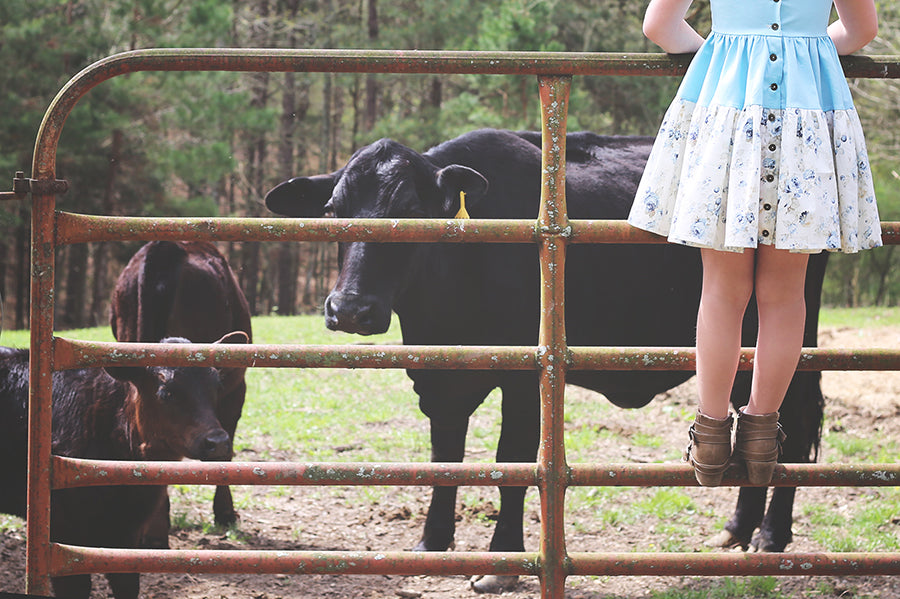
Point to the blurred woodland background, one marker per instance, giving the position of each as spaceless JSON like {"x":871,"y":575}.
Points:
{"x":212,"y":144}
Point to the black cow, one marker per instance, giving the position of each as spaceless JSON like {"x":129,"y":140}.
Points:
{"x":184,"y":289}
{"x":487,"y":294}
{"x":120,"y":413}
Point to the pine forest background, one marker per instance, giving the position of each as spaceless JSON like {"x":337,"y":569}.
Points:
{"x":212,"y":144}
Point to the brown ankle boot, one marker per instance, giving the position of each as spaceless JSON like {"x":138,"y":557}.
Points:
{"x":710,"y":449}
{"x":758,"y":443}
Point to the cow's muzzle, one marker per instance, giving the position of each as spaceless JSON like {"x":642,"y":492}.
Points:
{"x":355,"y":314}
{"x":213,"y":446}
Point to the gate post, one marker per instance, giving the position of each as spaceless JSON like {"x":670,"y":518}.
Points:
{"x":40,"y":372}
{"x":553,"y":227}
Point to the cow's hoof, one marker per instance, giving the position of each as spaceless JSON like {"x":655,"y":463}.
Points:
{"x":421,"y":546}
{"x":493,"y":584}
{"x":761,"y":544}
{"x":727,"y":540}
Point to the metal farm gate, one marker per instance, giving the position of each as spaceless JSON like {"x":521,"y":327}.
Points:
{"x":552,"y":232}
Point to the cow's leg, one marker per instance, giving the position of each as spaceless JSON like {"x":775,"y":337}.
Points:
{"x":448,"y":444}
{"x":74,"y":587}
{"x":124,"y":586}
{"x":748,"y":515}
{"x":155,"y":533}
{"x":801,"y":417}
{"x":519,"y":440}
{"x":229,"y":413}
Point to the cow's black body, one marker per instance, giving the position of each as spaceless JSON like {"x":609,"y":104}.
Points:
{"x":487,"y":294}
{"x":184,"y":289}
{"x":152,"y":413}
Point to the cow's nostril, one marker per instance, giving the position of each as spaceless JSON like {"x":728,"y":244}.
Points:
{"x":217,"y":445}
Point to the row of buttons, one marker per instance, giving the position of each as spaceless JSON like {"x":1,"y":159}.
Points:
{"x":769,"y":178}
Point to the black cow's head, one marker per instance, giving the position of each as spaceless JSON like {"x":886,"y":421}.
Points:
{"x":383,"y":180}
{"x":172,"y":409}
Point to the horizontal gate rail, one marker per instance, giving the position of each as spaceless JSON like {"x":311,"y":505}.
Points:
{"x":79,"y":228}
{"x":551,"y":232}
{"x":74,"y":560}
{"x":68,"y":559}
{"x":75,"y":472}
{"x":72,"y":353}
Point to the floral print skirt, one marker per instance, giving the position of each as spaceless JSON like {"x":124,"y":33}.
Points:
{"x":733,"y":178}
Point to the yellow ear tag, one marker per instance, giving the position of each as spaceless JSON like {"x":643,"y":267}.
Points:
{"x":462,"y":206}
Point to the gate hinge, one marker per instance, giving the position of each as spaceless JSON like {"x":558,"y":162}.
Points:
{"x":22,"y":187}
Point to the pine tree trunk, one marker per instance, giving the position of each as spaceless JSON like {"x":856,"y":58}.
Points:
{"x":256,"y":161}
{"x":23,"y":280}
{"x":371,"y":83}
{"x":72,"y":315}
{"x":100,"y":288}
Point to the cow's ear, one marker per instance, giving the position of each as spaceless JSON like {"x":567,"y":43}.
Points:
{"x":456,"y":178}
{"x":301,"y":196}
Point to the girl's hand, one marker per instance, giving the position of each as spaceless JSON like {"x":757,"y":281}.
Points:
{"x":664,"y":25}
{"x":856,"y":27}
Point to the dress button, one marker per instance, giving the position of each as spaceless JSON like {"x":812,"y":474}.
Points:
{"x":770,"y":178}
{"x":772,"y":147}
{"x":774,"y":26}
{"x":767,"y":206}
{"x":771,"y":117}
{"x":774,"y":86}
{"x":773,"y":57}
{"x":765,"y":233}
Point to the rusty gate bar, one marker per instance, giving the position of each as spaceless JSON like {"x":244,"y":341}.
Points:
{"x":552,"y":222}
{"x":81,"y":228}
{"x":552,"y":233}
{"x":76,"y":472}
{"x":74,"y":353}
{"x":74,"y":560}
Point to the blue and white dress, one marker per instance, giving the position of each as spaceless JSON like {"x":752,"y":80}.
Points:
{"x":762,"y":143}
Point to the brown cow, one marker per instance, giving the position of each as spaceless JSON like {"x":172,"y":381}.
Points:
{"x":121,"y":413}
{"x":184,"y":289}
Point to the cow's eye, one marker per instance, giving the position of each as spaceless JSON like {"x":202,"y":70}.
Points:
{"x":164,"y":394}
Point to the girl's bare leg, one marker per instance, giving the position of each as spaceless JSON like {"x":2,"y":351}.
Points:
{"x":727,"y":286}
{"x":780,"y":282}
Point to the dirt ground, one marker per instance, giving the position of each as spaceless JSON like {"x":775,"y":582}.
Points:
{"x":310,"y":518}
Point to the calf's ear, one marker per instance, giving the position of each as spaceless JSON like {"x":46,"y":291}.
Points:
{"x":456,"y":178}
{"x":303,"y":197}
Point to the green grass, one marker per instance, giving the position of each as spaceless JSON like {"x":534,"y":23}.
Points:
{"x":762,"y":587}
{"x":860,"y":318}
{"x":866,"y":525}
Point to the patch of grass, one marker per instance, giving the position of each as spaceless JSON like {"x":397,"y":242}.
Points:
{"x":860,"y":318}
{"x":759,"y":587}
{"x":22,"y":338}
{"x":853,"y":448}
{"x":11,"y":523}
{"x":865,"y":525}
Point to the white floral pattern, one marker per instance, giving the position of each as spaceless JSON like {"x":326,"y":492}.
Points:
{"x":712,"y":180}
{"x":762,"y":144}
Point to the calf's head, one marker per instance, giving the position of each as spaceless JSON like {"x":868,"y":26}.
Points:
{"x":172,"y":410}
{"x":382,"y":180}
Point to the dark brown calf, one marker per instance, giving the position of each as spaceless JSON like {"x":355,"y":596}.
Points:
{"x":123,"y":413}
{"x":184,"y":289}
